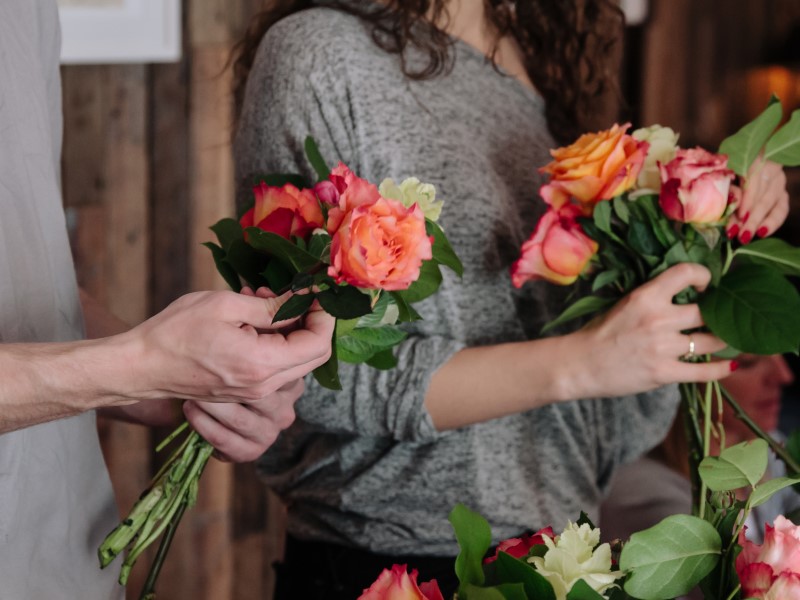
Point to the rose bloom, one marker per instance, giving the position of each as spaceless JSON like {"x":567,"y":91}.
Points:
{"x":519,"y":547}
{"x":597,"y":167}
{"x":353,"y":192}
{"x":411,"y":191}
{"x":573,"y":555}
{"x":663,"y":143}
{"x":380,"y":246}
{"x":771,"y":571}
{"x":695,"y":186}
{"x":558,"y":251}
{"x":286,"y":211}
{"x":397,"y":584}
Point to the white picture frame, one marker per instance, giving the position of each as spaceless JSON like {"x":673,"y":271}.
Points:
{"x":124,"y":31}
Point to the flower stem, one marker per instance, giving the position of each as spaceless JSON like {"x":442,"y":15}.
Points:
{"x":148,"y":591}
{"x":707,"y":407}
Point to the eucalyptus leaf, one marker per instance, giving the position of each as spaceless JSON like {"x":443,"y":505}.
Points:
{"x":315,"y":158}
{"x":227,"y":272}
{"x":670,"y":558}
{"x":282,"y":249}
{"x":585,"y":306}
{"x":764,"y":492}
{"x":784,"y":145}
{"x":755,"y":309}
{"x":736,"y":467}
{"x":744,"y":146}
{"x":474,"y":537}
{"x":771,"y":251}
{"x":443,"y":252}
{"x":513,"y":570}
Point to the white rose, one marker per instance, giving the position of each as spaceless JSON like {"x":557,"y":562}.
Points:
{"x":663,"y":145}
{"x":411,"y":191}
{"x":574,"y":555}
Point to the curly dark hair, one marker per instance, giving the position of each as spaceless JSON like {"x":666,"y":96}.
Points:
{"x":569,"y":46}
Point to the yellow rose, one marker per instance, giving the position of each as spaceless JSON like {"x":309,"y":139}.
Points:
{"x":411,"y":191}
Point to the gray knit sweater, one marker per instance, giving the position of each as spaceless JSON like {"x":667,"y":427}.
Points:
{"x":365,"y":466}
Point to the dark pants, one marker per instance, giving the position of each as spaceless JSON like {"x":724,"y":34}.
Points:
{"x":322,"y":571}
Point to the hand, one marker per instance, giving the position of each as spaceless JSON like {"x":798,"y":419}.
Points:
{"x":763,"y":205}
{"x":242,"y":433}
{"x":207,"y":346}
{"x":638,"y":345}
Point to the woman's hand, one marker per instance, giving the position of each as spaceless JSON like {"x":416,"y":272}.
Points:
{"x":763,"y":204}
{"x":639,"y":345}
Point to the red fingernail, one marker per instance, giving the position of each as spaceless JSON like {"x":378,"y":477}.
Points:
{"x":732,"y":231}
{"x":734,"y":365}
{"x":745,"y":217}
{"x":746,"y":237}
{"x":762,"y":231}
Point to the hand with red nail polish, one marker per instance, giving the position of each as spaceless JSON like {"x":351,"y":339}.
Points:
{"x":762,"y":202}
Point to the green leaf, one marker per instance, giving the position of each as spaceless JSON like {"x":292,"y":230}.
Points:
{"x":793,"y":446}
{"x":744,"y":145}
{"x":583,"y":591}
{"x":784,"y":146}
{"x":585,"y":306}
{"x":771,"y":251}
{"x":443,"y":252}
{"x":407,"y":312}
{"x":736,"y":467}
{"x":315,"y":158}
{"x":361,"y":345}
{"x":602,"y":216}
{"x":279,"y":276}
{"x":506,"y":591}
{"x":247,"y":262}
{"x":428,"y":282}
{"x":642,"y":239}
{"x":474,"y":538}
{"x":327,"y":375}
{"x":620,"y":205}
{"x":763,"y":492}
{"x":384,"y":360}
{"x":320,"y":246}
{"x":294,"y":307}
{"x":754,"y":309}
{"x":669,"y":559}
{"x":513,"y":570}
{"x":647,"y":210}
{"x":374,"y":318}
{"x":605,"y":278}
{"x":227,"y":230}
{"x":584,"y":519}
{"x":345,"y":302}
{"x":282,"y":249}
{"x":228,"y":272}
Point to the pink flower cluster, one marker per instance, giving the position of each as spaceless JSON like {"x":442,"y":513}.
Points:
{"x":771,"y":571}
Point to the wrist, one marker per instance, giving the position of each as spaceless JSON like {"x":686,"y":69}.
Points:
{"x":572,"y":372}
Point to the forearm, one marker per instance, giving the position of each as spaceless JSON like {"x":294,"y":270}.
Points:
{"x":487,"y":382}
{"x":43,"y":382}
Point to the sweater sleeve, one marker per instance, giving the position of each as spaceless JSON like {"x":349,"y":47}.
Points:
{"x":298,"y":87}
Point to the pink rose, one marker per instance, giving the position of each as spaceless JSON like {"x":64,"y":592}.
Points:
{"x":379,"y":245}
{"x":695,"y":186}
{"x":598,"y":166}
{"x":353,"y":192}
{"x":286,"y":211}
{"x":558,"y":251}
{"x":766,"y":571}
{"x":327,"y":192}
{"x":397,"y":584}
{"x":519,"y":547}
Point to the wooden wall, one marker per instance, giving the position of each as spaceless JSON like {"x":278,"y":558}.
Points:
{"x":147,"y":169}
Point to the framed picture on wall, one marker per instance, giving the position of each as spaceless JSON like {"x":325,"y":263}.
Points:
{"x":120,"y":31}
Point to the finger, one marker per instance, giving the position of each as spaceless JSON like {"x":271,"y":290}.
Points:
{"x":265,"y":292}
{"x":734,"y":224}
{"x":246,"y":291}
{"x":256,"y":311}
{"x":703,"y":372}
{"x":699,"y":344}
{"x":776,"y":217}
{"x":229,"y":444}
{"x":679,"y":277}
{"x":765,"y":189}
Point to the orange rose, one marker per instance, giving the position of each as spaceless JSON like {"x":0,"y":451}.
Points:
{"x":285,"y":210}
{"x":597,"y":167}
{"x":380,"y":246}
{"x":353,"y":192}
{"x":397,"y":584}
{"x":558,"y":251}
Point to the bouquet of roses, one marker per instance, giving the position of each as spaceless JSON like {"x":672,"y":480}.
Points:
{"x":624,"y":208}
{"x":365,"y":253}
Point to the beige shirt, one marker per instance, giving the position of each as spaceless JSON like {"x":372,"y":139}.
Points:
{"x":56,"y":502}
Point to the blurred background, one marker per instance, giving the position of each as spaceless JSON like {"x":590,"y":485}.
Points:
{"x":147,"y":169}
